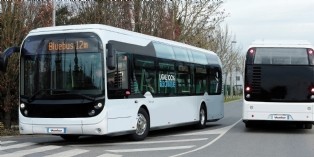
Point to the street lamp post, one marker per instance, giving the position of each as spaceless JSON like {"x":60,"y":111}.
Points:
{"x":53,"y":13}
{"x":231,"y":79}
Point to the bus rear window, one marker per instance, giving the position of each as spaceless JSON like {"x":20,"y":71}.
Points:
{"x":281,"y":56}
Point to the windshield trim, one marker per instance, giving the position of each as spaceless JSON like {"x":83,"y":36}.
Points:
{"x":28,"y":55}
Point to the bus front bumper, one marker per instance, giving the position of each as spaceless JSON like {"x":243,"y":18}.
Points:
{"x":61,"y":128}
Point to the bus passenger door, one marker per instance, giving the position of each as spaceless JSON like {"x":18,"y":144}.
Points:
{"x":121,"y":110}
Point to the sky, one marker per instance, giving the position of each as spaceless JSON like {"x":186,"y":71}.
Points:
{"x":251,"y":20}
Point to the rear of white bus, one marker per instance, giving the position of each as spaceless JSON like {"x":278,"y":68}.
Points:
{"x":279,"y":85}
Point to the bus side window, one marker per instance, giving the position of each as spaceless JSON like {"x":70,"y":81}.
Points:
{"x":183,"y":79}
{"x":200,"y":80}
{"x":144,"y":73}
{"x":166,"y":78}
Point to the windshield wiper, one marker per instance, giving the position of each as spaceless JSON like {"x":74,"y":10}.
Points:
{"x":81,"y":95}
{"x":30,"y":99}
{"x":59,"y":92}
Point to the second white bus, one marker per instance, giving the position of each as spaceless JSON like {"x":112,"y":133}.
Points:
{"x":279,"y":83}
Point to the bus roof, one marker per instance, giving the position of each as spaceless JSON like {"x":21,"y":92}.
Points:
{"x":282,"y":43}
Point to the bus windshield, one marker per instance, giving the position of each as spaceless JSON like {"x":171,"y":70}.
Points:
{"x":281,"y":56}
{"x":67,"y":63}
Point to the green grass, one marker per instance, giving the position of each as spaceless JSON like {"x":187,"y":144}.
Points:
{"x":232,"y":98}
{"x":8,"y":132}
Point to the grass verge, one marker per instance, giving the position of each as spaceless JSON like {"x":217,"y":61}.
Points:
{"x":9,"y":132}
{"x":232,"y":98}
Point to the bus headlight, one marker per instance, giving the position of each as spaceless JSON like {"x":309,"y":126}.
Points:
{"x":98,"y":106}
{"x":25,"y":112}
{"x":91,"y":112}
{"x":248,"y":96}
{"x":22,"y":106}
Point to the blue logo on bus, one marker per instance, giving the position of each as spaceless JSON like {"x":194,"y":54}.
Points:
{"x":167,"y":80}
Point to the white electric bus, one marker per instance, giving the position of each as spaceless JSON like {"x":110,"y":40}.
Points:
{"x":279,"y":83}
{"x":100,"y":80}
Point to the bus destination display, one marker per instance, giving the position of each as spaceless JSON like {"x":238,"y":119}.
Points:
{"x":71,"y":46}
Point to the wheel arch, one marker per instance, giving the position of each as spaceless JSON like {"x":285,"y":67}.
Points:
{"x":205,"y":106}
{"x":145,"y":108}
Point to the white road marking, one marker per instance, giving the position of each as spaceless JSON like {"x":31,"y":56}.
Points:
{"x":20,"y":145}
{"x":30,"y":151}
{"x":208,"y":132}
{"x":6,"y":142}
{"x":109,"y":155}
{"x":150,"y":142}
{"x":149,"y":149}
{"x":224,"y":131}
{"x":167,"y":141}
{"x":74,"y":152}
{"x":68,"y":153}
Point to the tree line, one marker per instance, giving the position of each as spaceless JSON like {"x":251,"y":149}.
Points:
{"x":193,"y":22}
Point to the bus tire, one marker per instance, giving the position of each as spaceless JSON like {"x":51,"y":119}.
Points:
{"x":308,"y":126}
{"x":300,"y":126}
{"x":202,"y":118}
{"x":70,"y":137}
{"x":142,"y":126}
{"x":248,"y":124}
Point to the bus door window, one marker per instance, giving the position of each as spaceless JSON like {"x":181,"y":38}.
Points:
{"x":166,"y":78}
{"x":117,"y":79}
{"x":200,"y":80}
{"x":144,"y":74}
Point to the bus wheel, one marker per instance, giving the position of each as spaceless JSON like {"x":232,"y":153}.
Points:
{"x":248,"y":124}
{"x":202,"y":118}
{"x":70,"y":137}
{"x":300,"y":126}
{"x":142,"y":126}
{"x":308,"y":125}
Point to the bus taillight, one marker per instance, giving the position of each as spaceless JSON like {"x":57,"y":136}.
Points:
{"x":247,"y":92}
{"x":311,"y":56}
{"x":127,"y":93}
{"x":248,"y":89}
{"x":311,"y":92}
{"x":251,"y":51}
{"x":250,"y":55}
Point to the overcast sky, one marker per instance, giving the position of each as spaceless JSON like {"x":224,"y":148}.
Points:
{"x":250,"y":20}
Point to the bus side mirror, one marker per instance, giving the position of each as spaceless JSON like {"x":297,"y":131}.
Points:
{"x":5,"y":55}
{"x":111,"y":57}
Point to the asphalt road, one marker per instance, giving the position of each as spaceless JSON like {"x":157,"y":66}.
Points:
{"x":224,"y":138}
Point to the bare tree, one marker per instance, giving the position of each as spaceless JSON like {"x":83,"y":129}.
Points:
{"x":229,"y":54}
{"x":17,"y":19}
{"x":198,"y":19}
{"x":112,"y":13}
{"x":187,"y":21}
